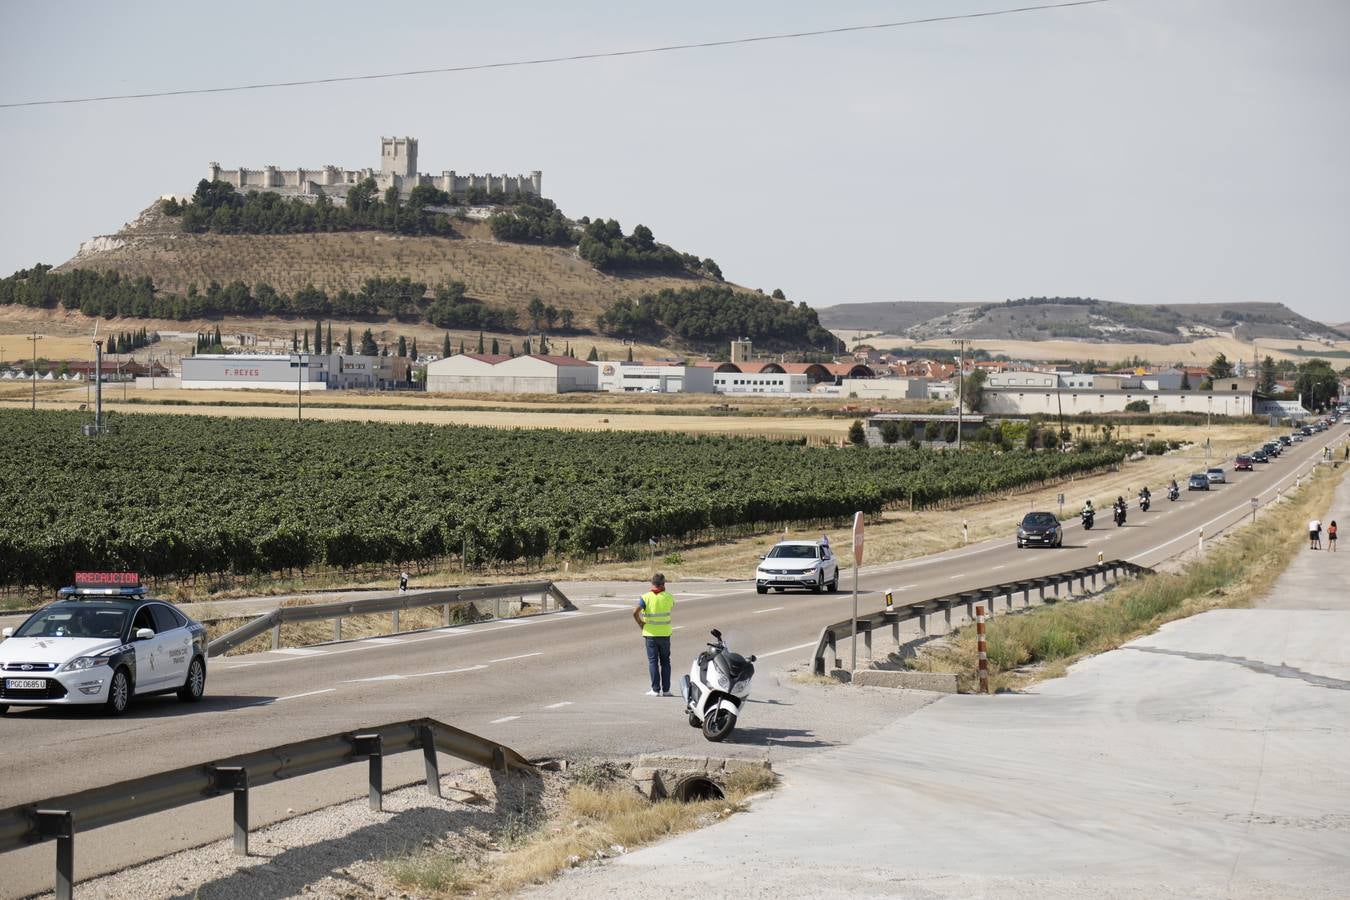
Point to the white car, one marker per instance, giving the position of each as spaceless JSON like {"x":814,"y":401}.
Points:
{"x":1216,"y":475}
{"x":102,"y":649}
{"x":798,"y":564}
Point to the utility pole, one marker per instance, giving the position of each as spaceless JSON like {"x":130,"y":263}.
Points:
{"x":960,"y":392}
{"x":35,"y":338}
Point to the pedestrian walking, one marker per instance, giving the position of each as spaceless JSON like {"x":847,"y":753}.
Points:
{"x":1331,"y":536}
{"x":652,"y":613}
{"x":1314,"y":534}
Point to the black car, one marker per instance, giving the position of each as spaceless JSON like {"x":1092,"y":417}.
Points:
{"x":1286,"y":440}
{"x":1040,"y":528}
{"x":1260,"y":456}
{"x":1198,"y":482}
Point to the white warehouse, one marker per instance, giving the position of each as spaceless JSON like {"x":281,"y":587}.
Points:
{"x":325,"y":371}
{"x":534,"y":374}
{"x":620,"y":377}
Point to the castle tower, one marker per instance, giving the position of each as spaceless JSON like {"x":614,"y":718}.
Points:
{"x":398,"y":156}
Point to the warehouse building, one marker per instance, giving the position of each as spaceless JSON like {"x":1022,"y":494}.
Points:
{"x":534,"y":374}
{"x":323,"y":372}
{"x":654,"y":377}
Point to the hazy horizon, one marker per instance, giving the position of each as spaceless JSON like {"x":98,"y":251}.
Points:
{"x":1140,"y":151}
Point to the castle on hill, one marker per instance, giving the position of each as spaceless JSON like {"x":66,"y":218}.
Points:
{"x":398,"y":168}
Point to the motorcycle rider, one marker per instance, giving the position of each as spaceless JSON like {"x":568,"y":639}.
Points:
{"x":1087,"y":508}
{"x":1144,"y":497}
{"x":1119,"y":507}
{"x":1173,"y":488}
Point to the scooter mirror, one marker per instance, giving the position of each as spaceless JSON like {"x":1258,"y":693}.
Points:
{"x":752,"y":657}
{"x":717,"y":634}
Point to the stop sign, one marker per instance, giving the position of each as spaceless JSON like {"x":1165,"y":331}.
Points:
{"x":857,"y":538}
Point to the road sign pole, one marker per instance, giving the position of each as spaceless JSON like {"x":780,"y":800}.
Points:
{"x":857,"y":564}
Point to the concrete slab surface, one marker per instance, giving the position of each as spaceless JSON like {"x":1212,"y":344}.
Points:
{"x":1206,"y":760}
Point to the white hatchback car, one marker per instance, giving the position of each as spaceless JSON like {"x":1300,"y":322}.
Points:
{"x":798,"y":564}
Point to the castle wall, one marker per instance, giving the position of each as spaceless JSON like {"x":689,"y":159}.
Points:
{"x":398,"y":167}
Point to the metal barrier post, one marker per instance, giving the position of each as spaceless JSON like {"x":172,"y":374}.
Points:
{"x":371,"y":746}
{"x":395,"y":631}
{"x":276,"y":635}
{"x":337,"y":628}
{"x":60,"y":824}
{"x":446,"y":621}
{"x":235,"y":780}
{"x":983,"y":650}
{"x":428,"y":740}
{"x":1026,"y":594}
{"x":867,"y":640}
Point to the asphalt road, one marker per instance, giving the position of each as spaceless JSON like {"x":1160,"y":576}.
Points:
{"x":567,"y":683}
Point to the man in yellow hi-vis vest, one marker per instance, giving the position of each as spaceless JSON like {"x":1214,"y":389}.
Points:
{"x":652,"y":614}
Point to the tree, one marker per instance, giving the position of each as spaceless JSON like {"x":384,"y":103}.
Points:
{"x":630,"y":352}
{"x":536,"y":312}
{"x":972,"y":390}
{"x":1185,"y":381}
{"x":496,"y":350}
{"x":1316,"y":384}
{"x":857,"y":434}
{"x":1220,"y":368}
{"x":890,"y":431}
{"x":567,"y":317}
{"x":318,"y":336}
{"x":445,"y":346}
{"x":480,"y":342}
{"x":779,"y":295}
{"x":950,"y":433}
{"x":368,"y":345}
{"x":1268,"y":376}
{"x":402,"y":346}
{"x":412,"y":351}
{"x":347,"y":348}
{"x":1140,"y":406}
{"x":592,"y":356}
{"x":305,"y":347}
{"x":550,"y":316}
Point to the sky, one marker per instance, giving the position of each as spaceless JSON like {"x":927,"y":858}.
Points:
{"x":1137,"y":150}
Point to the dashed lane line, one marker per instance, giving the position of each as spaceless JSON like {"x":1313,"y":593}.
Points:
{"x":503,"y":719}
{"x":305,"y":694}
{"x":559,"y":705}
{"x":610,"y":605}
{"x":770,"y":609}
{"x":786,"y":650}
{"x":447,"y":671}
{"x":521,"y":656}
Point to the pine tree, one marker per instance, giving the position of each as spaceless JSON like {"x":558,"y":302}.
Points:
{"x":445,"y":346}
{"x":543,"y":344}
{"x":368,"y":345}
{"x":412,"y":351}
{"x":328,"y":340}
{"x":217,"y":342}
{"x":318,"y":335}
{"x":525,"y":348}
{"x":348,"y":348}
{"x":480,"y":342}
{"x":630,"y":352}
{"x":592,"y":356}
{"x":402,"y":346}
{"x":305,"y":347}
{"x":496,"y":350}
{"x":511,"y":350}
{"x":461,"y":346}
{"x":295,"y":341}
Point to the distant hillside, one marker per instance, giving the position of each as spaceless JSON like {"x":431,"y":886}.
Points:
{"x":1080,"y":319}
{"x":496,"y":273}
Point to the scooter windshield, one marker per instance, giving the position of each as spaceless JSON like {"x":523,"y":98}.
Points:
{"x":740,"y":641}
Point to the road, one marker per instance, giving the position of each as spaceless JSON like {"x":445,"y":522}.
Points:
{"x":1204,"y":760}
{"x":566,"y":683}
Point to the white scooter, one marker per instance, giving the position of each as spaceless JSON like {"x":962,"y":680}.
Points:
{"x":716,"y":686}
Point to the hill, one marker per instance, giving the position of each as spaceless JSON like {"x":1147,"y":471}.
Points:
{"x":1079,"y":319}
{"x":496,"y":273}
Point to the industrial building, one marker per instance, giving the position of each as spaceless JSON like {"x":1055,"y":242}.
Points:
{"x":534,"y":374}
{"x":654,"y":377}
{"x":323,"y":372}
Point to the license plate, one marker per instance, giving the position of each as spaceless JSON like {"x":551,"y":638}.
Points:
{"x":26,"y":684}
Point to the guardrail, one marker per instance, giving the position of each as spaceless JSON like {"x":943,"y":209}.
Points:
{"x":58,"y":817}
{"x":447,"y":597}
{"x":894,"y":614}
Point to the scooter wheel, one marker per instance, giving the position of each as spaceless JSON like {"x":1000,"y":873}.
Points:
{"x":718,"y":725}
{"x":693,"y":721}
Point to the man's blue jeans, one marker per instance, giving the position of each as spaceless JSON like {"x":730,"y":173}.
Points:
{"x":658,"y":663}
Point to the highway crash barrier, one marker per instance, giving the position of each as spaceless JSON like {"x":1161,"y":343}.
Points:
{"x":549,"y":596}
{"x":59,"y":817}
{"x":895,"y":613}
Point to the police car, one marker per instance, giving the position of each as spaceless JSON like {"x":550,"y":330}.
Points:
{"x":103,"y":642}
{"x":798,"y":564}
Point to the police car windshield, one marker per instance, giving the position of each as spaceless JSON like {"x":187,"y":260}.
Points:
{"x":74,"y":621}
{"x":793,"y":551}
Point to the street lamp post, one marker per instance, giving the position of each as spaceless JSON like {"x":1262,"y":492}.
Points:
{"x":299,"y":362}
{"x":960,"y":392}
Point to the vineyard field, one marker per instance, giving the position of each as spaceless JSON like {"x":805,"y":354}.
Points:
{"x":180,"y":496}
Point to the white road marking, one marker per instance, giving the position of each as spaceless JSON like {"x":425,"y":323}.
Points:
{"x":954,"y":577}
{"x":383,"y":640}
{"x":375,"y":678}
{"x":503,"y":719}
{"x":521,"y":656}
{"x":442,"y":672}
{"x":559,"y":705}
{"x":614,"y":605}
{"x":300,"y":651}
{"x":306,"y":694}
{"x":770,"y":609}
{"x":992,"y":568}
{"x":904,"y":587}
{"x":786,"y":650}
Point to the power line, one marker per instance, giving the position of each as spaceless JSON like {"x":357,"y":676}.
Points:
{"x":550,"y":60}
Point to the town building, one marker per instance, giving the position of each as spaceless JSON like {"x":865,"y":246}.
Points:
{"x":655,"y":376}
{"x":533,"y":374}
{"x":324,"y":372}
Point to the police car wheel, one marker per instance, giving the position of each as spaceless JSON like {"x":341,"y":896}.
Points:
{"x":119,"y":693}
{"x":833,"y":586}
{"x":761,"y":589}
{"x":195,"y":686}
{"x":3,"y":709}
